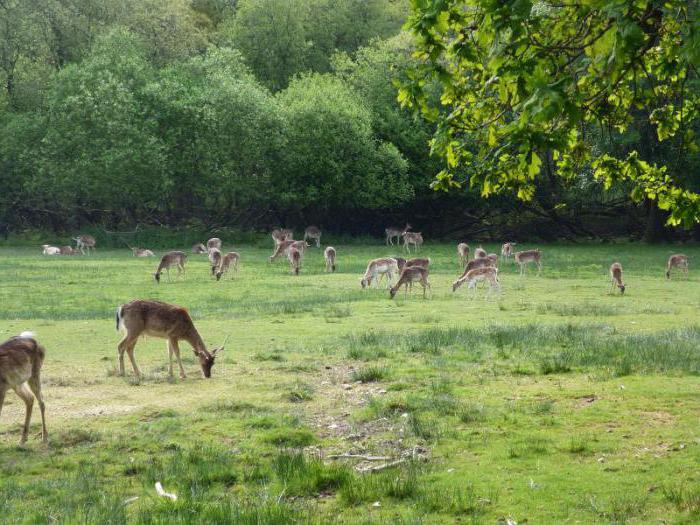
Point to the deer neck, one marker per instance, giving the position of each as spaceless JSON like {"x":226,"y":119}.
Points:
{"x":195,"y":340}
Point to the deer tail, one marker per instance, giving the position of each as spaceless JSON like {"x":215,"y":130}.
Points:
{"x":119,"y":317}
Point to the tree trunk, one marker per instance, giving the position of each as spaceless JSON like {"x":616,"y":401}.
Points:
{"x":655,"y":230}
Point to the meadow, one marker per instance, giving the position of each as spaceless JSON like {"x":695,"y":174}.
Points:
{"x":555,"y":402}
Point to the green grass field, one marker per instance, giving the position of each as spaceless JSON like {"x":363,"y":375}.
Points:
{"x":553,"y":403}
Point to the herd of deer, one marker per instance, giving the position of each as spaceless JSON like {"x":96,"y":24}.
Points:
{"x":21,"y":357}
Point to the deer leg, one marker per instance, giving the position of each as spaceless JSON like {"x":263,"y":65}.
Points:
{"x":130,"y":351}
{"x":176,"y":349}
{"x":121,"y":347}
{"x":26,"y":395}
{"x":170,"y":359}
{"x":539,"y":268}
{"x":2,"y":397}
{"x":35,"y":386}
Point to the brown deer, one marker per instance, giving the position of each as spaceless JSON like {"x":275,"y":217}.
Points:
{"x":329,"y":256}
{"x":312,"y":232}
{"x":393,"y":231}
{"x":278,"y":236}
{"x":479,"y":253}
{"x":229,"y":260}
{"x":166,"y":321}
{"x":463,"y":253}
{"x":419,"y":261}
{"x":472,"y":277}
{"x":281,"y":248}
{"x":377,"y":269}
{"x":679,"y":261}
{"x":68,"y":250}
{"x":409,"y":275}
{"x":21,"y":359}
{"x":214,"y":259}
{"x":400,"y":261}
{"x":477,"y":263}
{"x":199,"y":248}
{"x":214,"y":242}
{"x":142,"y":252}
{"x":85,"y":241}
{"x":301,"y":246}
{"x":493,"y":258}
{"x":507,"y":250}
{"x":414,"y":238}
{"x":423,"y":262}
{"x":294,"y":256}
{"x":616,"y":277}
{"x":528,"y":256}
{"x":175,"y":258}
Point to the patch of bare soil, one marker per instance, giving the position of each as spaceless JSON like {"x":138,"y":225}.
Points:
{"x":369,"y":445}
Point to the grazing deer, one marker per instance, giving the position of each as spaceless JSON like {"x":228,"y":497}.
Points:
{"x":378,"y":268}
{"x":68,"y":250}
{"x":176,"y":258}
{"x":677,"y":261}
{"x":507,"y":250}
{"x":616,"y":277}
{"x":393,"y":231}
{"x":50,"y":250}
{"x":528,"y":256}
{"x":214,"y":242}
{"x":142,"y":252}
{"x":214,"y":259}
{"x":329,"y":256}
{"x":414,"y":238}
{"x":229,"y":260}
{"x":85,"y":241}
{"x":166,"y":321}
{"x":199,"y":248}
{"x":312,"y":232}
{"x":476,"y":263}
{"x":424,"y":262}
{"x":463,"y":253}
{"x":400,"y":261}
{"x":294,"y":256}
{"x":21,"y":359}
{"x":281,"y":248}
{"x":472,"y":277}
{"x":409,"y":275}
{"x":479,"y":253}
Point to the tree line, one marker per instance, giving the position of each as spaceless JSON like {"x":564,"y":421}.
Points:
{"x":254,"y":113}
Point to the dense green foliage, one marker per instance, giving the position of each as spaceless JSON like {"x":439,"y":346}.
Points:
{"x":521,"y":82}
{"x":250,"y":114}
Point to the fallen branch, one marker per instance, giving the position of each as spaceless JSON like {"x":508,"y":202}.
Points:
{"x":377,"y":468}
{"x":359,"y":456}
